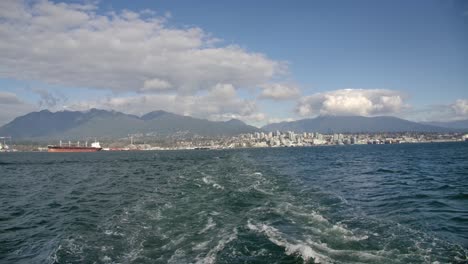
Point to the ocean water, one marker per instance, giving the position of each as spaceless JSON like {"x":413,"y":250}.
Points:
{"x":343,"y":204}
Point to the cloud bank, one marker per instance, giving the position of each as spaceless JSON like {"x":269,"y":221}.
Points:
{"x":71,"y":44}
{"x":364,"y":102}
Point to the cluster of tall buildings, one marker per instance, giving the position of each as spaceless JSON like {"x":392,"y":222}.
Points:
{"x":292,"y":139}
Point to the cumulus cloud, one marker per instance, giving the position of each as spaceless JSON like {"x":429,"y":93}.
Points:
{"x":220,"y":103}
{"x":73,"y":45}
{"x":460,"y":107}
{"x":365,"y":102}
{"x":279,"y":91}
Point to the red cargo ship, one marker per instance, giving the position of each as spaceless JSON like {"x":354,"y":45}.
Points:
{"x":77,"y":148}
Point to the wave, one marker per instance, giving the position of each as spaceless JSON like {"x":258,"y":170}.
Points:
{"x":291,"y":248}
{"x":209,"y":181}
{"x":318,"y":252}
{"x":210,"y":257}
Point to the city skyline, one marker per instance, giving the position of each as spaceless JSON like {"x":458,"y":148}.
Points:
{"x":251,"y":61}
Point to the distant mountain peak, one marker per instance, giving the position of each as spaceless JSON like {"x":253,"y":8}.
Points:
{"x":155,"y":114}
{"x":45,"y":111}
{"x":235,"y":121}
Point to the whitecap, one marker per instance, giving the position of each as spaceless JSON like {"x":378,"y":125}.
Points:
{"x":217,"y":186}
{"x":361,"y":256}
{"x":291,"y":248}
{"x":208,"y":226}
{"x":209,"y":181}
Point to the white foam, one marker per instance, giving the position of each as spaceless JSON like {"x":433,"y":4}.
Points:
{"x":53,"y":255}
{"x":217,"y":186}
{"x":210,"y":257}
{"x":208,"y":226}
{"x":106,"y":248}
{"x":341,"y":228}
{"x":208,"y":181}
{"x":113,"y":233}
{"x":308,"y":249}
{"x":201,"y":246}
{"x":174,"y":242}
{"x":297,"y":247}
{"x":362,"y":256}
{"x":177,"y":257}
{"x":73,"y":247}
{"x":320,"y":223}
{"x":312,"y":216}
{"x":256,"y":186}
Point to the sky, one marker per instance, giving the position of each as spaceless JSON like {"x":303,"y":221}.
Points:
{"x":257,"y":61}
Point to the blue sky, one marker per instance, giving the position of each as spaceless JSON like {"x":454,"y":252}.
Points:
{"x":296,"y":60}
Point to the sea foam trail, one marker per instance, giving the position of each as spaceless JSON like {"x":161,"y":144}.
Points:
{"x":309,"y":250}
{"x":291,"y":247}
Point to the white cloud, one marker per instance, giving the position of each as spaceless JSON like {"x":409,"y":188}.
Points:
{"x":279,"y":91}
{"x":279,"y":120}
{"x":14,"y":10}
{"x":457,"y":110}
{"x":365,"y":102}
{"x":460,"y":107}
{"x":73,"y":45}
{"x":155,"y":85}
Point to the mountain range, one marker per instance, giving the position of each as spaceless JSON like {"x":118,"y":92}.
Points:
{"x":72,"y":125}
{"x":103,"y":124}
{"x":355,"y":124}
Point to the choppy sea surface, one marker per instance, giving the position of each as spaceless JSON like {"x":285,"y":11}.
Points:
{"x":343,"y":204}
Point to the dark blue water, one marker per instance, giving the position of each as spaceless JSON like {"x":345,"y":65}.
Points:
{"x":344,"y":204}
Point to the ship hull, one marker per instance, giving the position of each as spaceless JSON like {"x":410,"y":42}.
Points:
{"x":72,"y":149}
